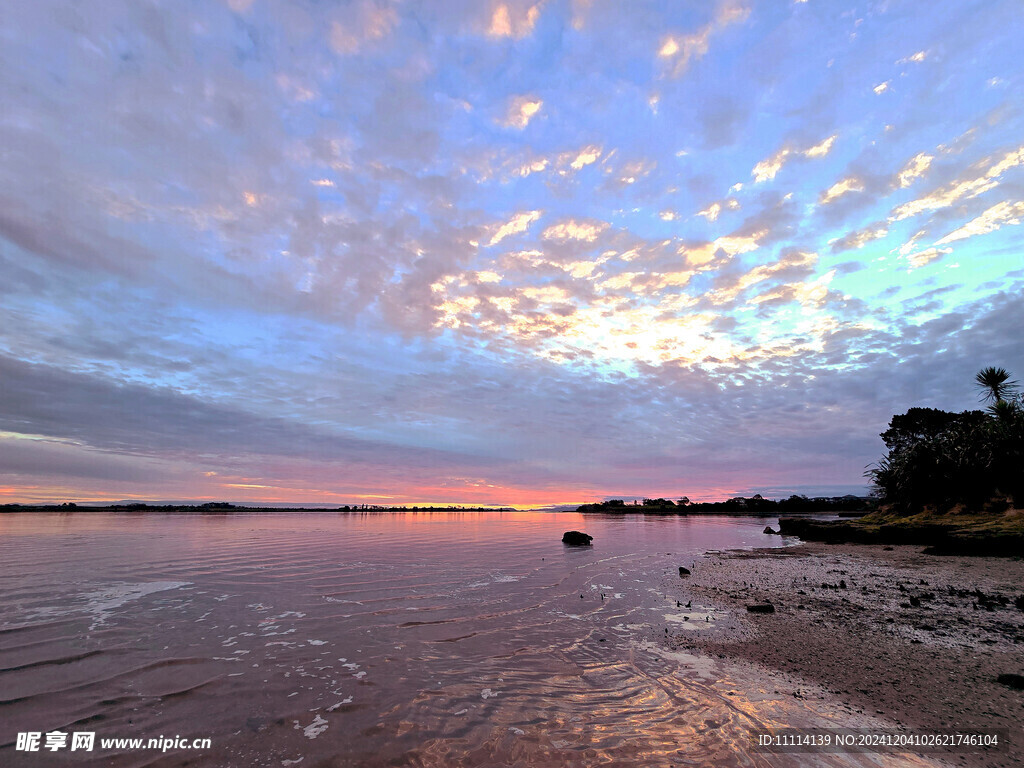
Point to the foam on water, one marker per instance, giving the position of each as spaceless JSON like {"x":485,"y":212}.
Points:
{"x":101,"y":602}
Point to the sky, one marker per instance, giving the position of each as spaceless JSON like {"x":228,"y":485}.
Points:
{"x":482,"y":252}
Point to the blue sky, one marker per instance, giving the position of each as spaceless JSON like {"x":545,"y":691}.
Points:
{"x":490,"y":252}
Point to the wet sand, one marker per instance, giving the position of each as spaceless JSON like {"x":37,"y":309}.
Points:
{"x":915,"y":639}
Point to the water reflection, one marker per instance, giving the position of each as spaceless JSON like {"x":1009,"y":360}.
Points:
{"x":419,"y":638}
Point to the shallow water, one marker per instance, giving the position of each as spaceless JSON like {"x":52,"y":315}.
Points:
{"x":424,"y":639}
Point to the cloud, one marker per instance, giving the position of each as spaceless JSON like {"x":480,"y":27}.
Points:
{"x":821,"y":149}
{"x":721,"y":120}
{"x":292,"y":251}
{"x":134,"y":419}
{"x":49,"y":459}
{"x":768,"y":168}
{"x":1003,"y":213}
{"x":927,"y":256}
{"x":882,"y":87}
{"x":915,"y":168}
{"x":909,"y":246}
{"x":793,"y":264}
{"x":586,"y":156}
{"x":572,"y":229}
{"x":915,"y":58}
{"x":968,"y":186}
{"x":518,"y":223}
{"x":365,"y":23}
{"x":860,"y":238}
{"x":513,"y":20}
{"x":678,"y":51}
{"x":714,"y":209}
{"x":521,"y":109}
{"x":625,"y":174}
{"x":840,"y":188}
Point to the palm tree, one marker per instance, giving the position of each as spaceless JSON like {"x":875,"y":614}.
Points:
{"x":995,"y":384}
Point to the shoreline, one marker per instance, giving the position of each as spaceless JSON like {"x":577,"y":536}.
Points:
{"x":888,"y":631}
{"x":999,"y":534}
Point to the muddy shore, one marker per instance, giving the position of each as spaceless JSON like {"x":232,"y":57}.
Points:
{"x":916,"y":639}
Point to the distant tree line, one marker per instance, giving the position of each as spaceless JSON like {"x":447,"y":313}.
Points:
{"x":938,"y":459}
{"x":755,"y":504}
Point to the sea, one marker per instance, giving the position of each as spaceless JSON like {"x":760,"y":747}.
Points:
{"x":370,"y":638}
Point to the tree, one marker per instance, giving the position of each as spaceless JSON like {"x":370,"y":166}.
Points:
{"x":917,"y":424}
{"x":938,"y":459}
{"x":995,"y":384}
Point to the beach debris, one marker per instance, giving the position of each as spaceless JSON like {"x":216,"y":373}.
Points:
{"x":761,"y":608}
{"x":684,"y":571}
{"x":576,"y":538}
{"x":768,"y":529}
{"x":1012,"y":680}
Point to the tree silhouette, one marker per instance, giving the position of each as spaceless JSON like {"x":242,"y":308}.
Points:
{"x":995,"y":384}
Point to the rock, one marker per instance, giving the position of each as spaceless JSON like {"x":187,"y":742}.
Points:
{"x":576,"y":538}
{"x":684,"y":571}
{"x":769,"y":529}
{"x":761,"y":608}
{"x":1012,"y":680}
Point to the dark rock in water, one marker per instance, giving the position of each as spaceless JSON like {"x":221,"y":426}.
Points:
{"x":576,"y":538}
{"x":684,"y":571}
{"x":769,"y":529}
{"x":761,"y":608}
{"x":1012,"y":680}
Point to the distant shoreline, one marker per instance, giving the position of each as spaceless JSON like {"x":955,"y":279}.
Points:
{"x":237,"y":509}
{"x":218,"y":509}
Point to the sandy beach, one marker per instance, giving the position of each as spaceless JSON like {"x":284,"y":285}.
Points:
{"x":915,"y":639}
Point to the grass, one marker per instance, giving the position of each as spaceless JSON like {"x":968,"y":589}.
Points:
{"x":956,"y":531}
